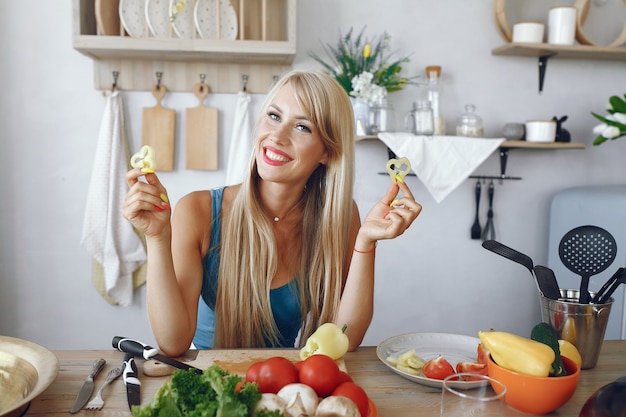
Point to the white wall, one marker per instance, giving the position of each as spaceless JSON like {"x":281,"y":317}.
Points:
{"x":434,"y":278}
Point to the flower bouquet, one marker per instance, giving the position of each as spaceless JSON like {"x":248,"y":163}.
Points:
{"x":613,"y":125}
{"x":363,"y":68}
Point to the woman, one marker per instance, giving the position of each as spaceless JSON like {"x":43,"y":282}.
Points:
{"x":287,"y":244}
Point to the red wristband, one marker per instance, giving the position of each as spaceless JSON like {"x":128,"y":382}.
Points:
{"x":367,"y":251}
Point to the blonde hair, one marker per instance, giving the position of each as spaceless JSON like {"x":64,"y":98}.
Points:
{"x":248,"y":248}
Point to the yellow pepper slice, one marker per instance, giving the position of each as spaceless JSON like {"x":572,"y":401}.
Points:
{"x":144,"y":159}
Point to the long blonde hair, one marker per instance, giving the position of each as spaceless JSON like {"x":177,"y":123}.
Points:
{"x":248,"y":248}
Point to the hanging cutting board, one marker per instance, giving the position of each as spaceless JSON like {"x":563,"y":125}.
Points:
{"x":158,"y":130}
{"x":108,"y":17}
{"x":201,"y":134}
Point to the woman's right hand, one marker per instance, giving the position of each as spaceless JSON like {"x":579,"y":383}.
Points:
{"x":146,"y":204}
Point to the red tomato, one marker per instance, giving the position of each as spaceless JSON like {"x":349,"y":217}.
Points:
{"x":472,"y":368}
{"x":483,"y":354}
{"x":344,"y":377}
{"x":252,"y":374}
{"x":321,"y":373}
{"x":437,"y":368}
{"x":275,"y":373}
{"x":356,"y":394}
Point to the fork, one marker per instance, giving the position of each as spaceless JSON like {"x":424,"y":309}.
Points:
{"x":97,"y":402}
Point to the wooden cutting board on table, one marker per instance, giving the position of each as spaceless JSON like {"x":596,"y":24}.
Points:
{"x":158,"y":130}
{"x":201,"y":133}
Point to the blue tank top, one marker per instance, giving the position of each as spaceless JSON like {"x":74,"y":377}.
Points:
{"x":284,"y":300}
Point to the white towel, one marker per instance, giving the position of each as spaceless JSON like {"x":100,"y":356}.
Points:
{"x":240,"y":142}
{"x":106,"y":235}
{"x":442,"y":163}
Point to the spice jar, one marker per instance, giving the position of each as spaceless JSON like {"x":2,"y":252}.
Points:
{"x":469,"y":123}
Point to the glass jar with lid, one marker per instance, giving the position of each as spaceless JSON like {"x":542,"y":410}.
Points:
{"x":469,"y":123}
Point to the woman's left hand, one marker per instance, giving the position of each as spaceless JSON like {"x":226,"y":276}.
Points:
{"x":391,"y":216}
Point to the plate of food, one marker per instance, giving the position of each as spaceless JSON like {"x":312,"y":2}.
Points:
{"x":454,"y":348}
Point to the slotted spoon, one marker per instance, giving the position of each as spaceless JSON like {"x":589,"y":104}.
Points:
{"x":587,"y":251}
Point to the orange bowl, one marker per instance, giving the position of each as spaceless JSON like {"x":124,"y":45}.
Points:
{"x":533,"y":394}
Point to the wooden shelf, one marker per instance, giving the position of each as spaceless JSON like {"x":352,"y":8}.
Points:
{"x":264,"y":49}
{"x":537,"y":50}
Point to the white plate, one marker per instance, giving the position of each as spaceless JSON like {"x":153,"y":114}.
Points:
{"x":454,"y":347}
{"x":43,"y":361}
{"x":183,"y":24}
{"x":158,"y":18}
{"x":205,"y":17}
{"x":133,"y":17}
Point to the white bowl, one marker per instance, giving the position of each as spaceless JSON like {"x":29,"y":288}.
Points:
{"x":528,"y":32}
{"x":540,"y":130}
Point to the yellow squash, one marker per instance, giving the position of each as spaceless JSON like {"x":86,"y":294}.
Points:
{"x":518,"y":353}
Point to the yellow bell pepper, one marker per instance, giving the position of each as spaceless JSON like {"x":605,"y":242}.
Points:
{"x":517,"y":353}
{"x":329,"y":339}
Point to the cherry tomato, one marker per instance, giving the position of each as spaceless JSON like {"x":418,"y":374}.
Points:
{"x":356,"y":394}
{"x":472,"y":368}
{"x":321,"y":373}
{"x":483,"y":354}
{"x":344,"y":377}
{"x":252,"y":374}
{"x":275,"y":373}
{"x":437,"y":368}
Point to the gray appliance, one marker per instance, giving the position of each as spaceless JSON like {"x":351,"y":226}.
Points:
{"x":603,"y":206}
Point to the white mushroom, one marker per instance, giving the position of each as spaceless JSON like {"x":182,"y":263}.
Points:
{"x":301,"y":399}
{"x":337,"y":406}
{"x":271,"y":402}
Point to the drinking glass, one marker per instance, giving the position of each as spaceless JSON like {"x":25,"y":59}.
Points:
{"x":482,"y":401}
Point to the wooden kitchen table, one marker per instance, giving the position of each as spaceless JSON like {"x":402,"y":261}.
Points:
{"x":393,"y":395}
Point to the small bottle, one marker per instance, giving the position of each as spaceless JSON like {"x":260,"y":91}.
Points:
{"x":469,"y":123}
{"x":434,"y":90}
{"x":382,"y":117}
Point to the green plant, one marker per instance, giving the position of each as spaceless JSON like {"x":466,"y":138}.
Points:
{"x":613,"y":126}
{"x":364,"y":69}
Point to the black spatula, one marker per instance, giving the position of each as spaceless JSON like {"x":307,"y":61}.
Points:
{"x":547,"y":282}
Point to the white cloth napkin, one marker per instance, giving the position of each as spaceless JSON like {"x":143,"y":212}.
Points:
{"x":240,"y":141}
{"x":106,"y":235}
{"x":442,"y":163}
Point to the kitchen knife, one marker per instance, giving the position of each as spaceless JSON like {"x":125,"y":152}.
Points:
{"x":87,"y":389}
{"x":137,"y":348}
{"x":132,"y":383}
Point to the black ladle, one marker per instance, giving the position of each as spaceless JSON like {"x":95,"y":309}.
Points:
{"x":586,"y":251}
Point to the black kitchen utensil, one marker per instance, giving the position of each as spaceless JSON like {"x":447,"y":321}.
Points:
{"x":509,"y":253}
{"x":620,"y":279}
{"x":586,"y":251}
{"x":606,"y":286}
{"x":489,"y":233}
{"x":476,"y":229}
{"x":546,"y":280}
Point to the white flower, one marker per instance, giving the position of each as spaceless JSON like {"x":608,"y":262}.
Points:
{"x":618,"y":117}
{"x":363,"y":88}
{"x":606,"y":131}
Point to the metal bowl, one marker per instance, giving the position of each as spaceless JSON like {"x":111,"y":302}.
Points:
{"x":26,"y":370}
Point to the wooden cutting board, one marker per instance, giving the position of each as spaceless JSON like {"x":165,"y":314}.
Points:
{"x":158,"y":130}
{"x":108,"y":17}
{"x":235,"y":361}
{"x":201,"y":134}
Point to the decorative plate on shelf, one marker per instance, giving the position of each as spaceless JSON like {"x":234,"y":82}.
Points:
{"x":183,"y":23}
{"x":454,"y":347}
{"x":133,"y":17}
{"x":206,"y":19}
{"x":158,"y":18}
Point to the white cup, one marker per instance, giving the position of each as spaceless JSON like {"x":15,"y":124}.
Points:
{"x":540,"y":130}
{"x":562,"y":25}
{"x":528,"y":32}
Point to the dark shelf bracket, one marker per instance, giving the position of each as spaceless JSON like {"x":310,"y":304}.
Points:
{"x":542,"y":63}
{"x":504,"y":156}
